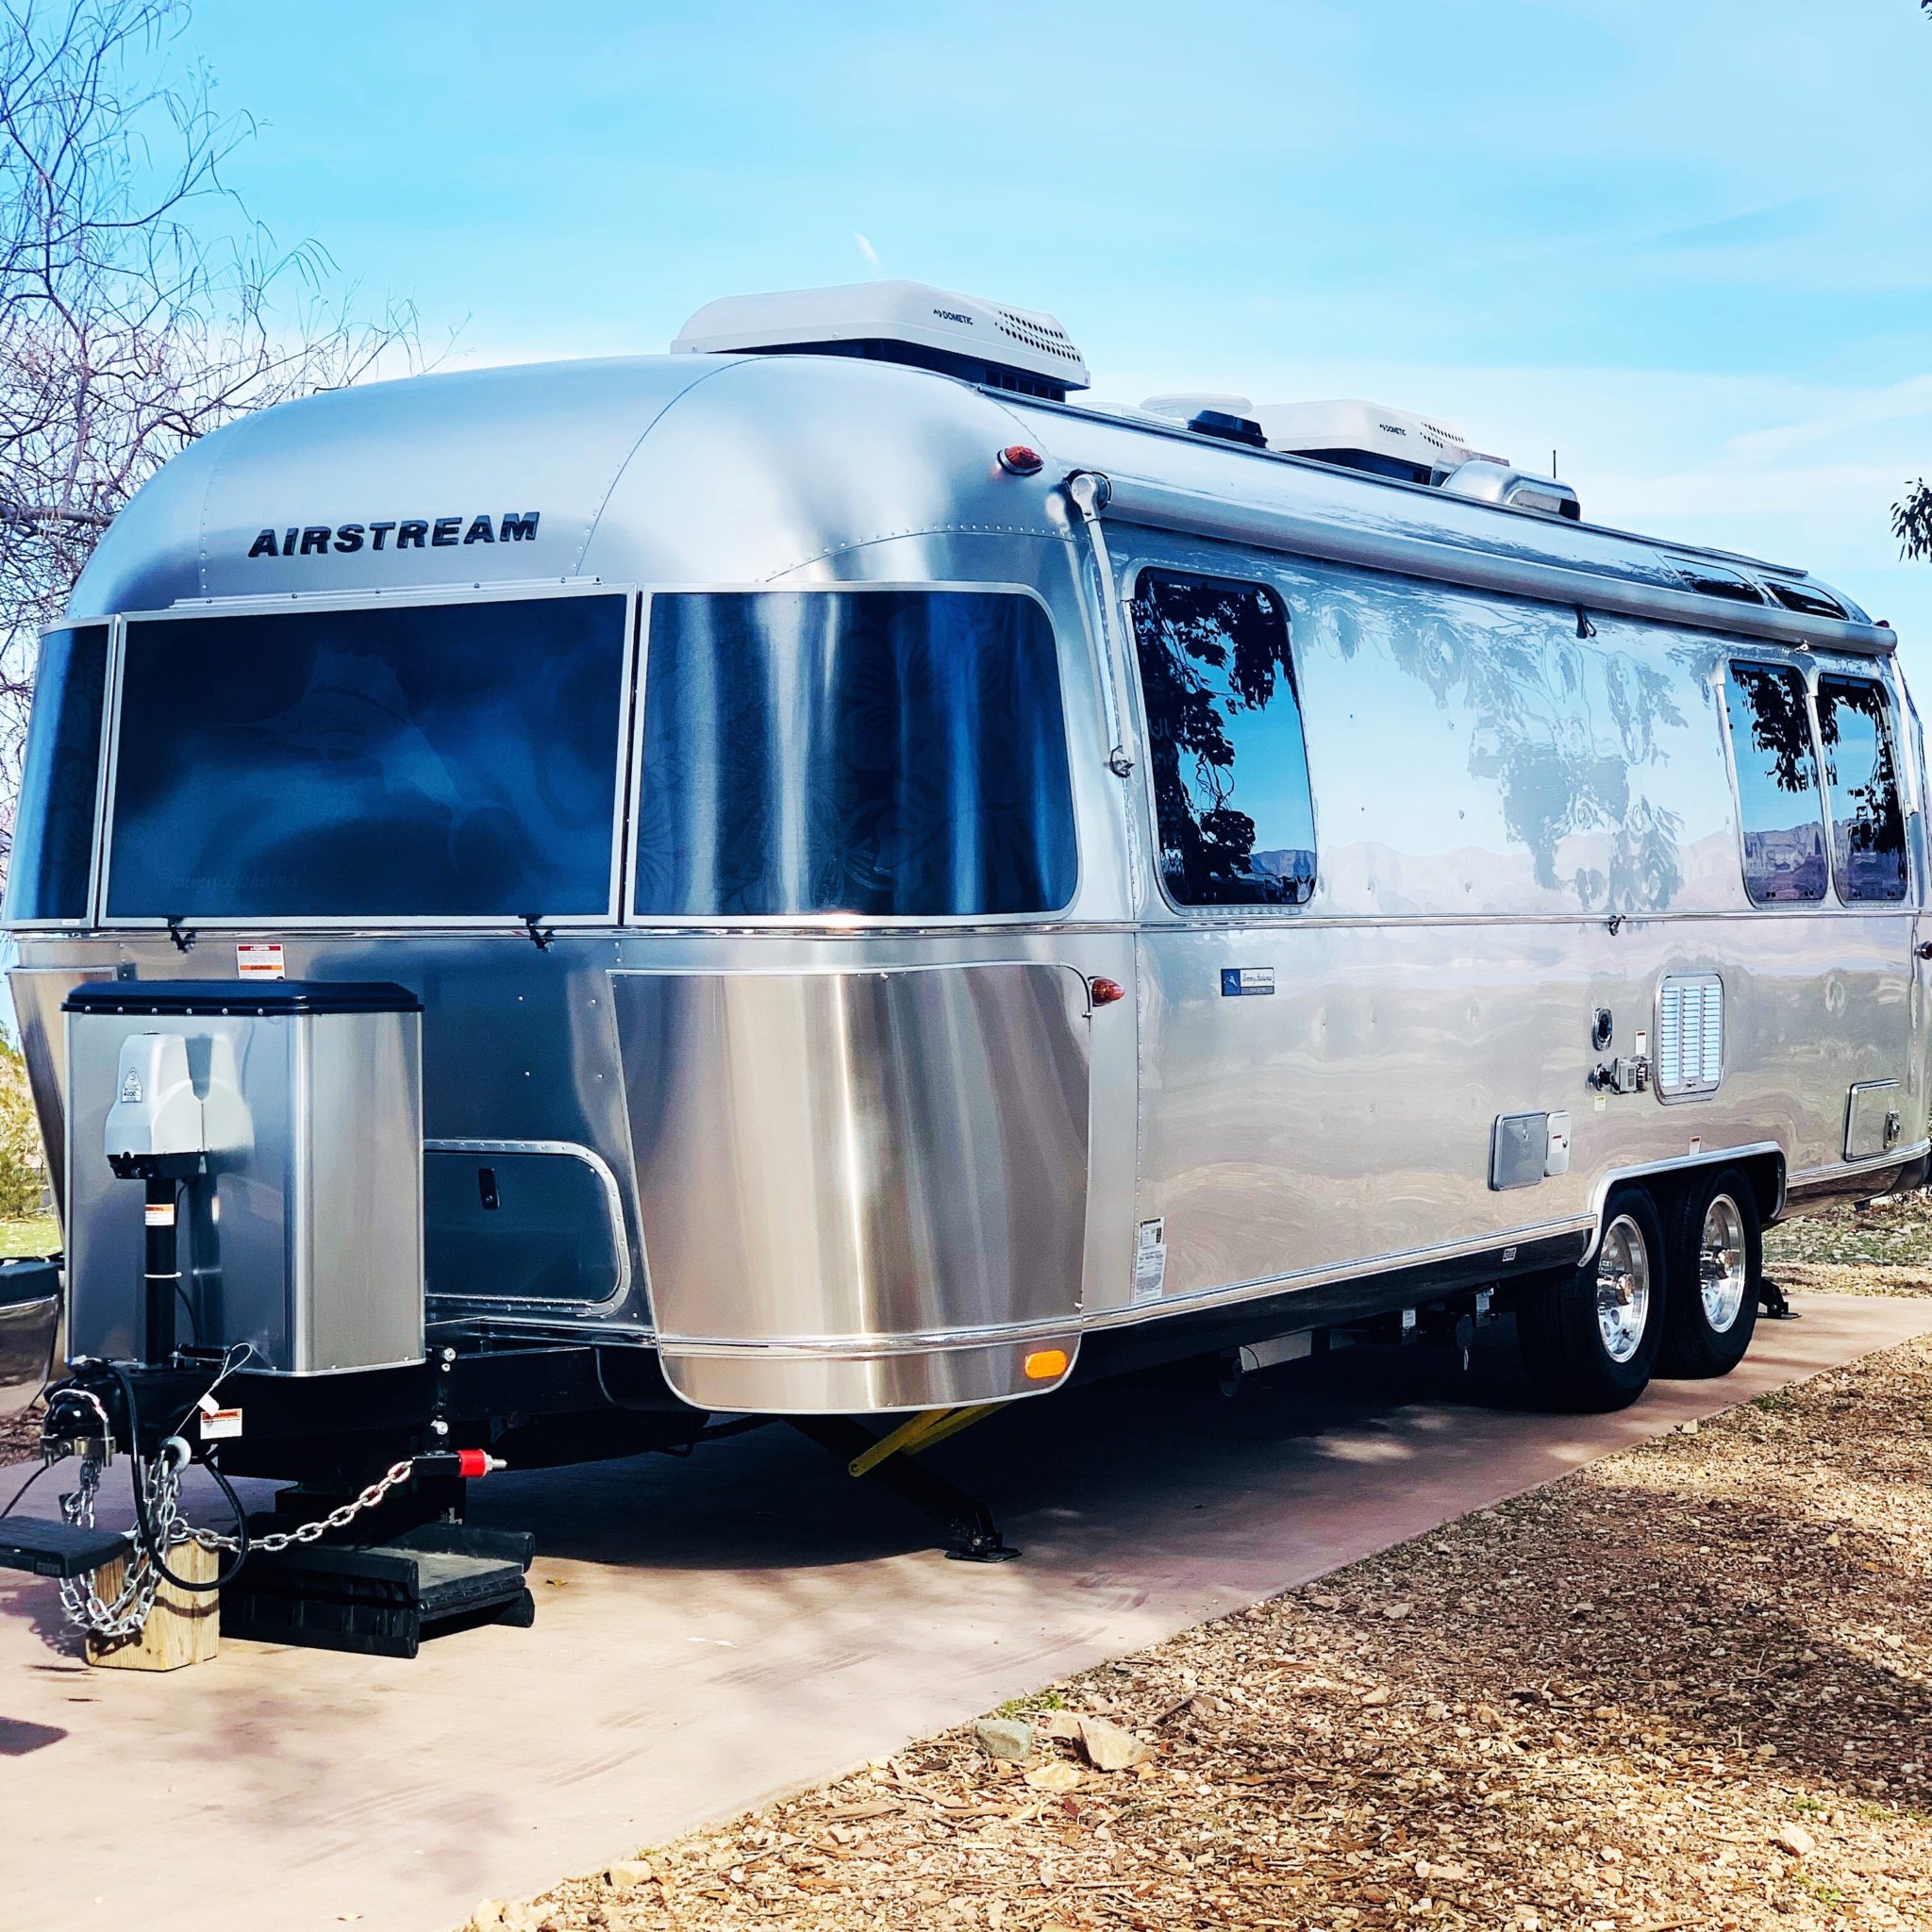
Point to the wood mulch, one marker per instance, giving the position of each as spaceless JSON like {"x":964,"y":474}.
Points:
{"x":1689,"y":1687}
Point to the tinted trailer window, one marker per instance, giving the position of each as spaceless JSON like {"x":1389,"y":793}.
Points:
{"x":1778,"y":809}
{"x":54,"y":830}
{"x":420,"y":762}
{"x":892,"y":753}
{"x":1231,"y":798}
{"x":1867,"y":827}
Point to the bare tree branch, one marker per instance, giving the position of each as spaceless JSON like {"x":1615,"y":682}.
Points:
{"x":140,"y":306}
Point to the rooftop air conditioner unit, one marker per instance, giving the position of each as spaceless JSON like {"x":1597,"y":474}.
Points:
{"x":1365,"y":436}
{"x":1016,"y":349}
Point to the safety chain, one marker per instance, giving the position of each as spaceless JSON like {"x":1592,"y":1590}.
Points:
{"x":134,"y":1601}
{"x":310,"y":1532}
{"x":142,"y":1580}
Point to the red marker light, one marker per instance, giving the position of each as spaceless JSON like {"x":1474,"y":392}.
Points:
{"x":1106,"y":991}
{"x":1016,"y":459}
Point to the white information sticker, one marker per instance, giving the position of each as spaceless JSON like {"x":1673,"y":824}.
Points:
{"x":255,"y":962}
{"x":1150,"y":1260}
{"x":220,"y":1425}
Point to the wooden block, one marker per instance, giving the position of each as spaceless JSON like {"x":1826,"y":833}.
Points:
{"x":184,"y":1626}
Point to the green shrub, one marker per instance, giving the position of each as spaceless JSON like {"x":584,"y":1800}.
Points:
{"x":22,"y":1158}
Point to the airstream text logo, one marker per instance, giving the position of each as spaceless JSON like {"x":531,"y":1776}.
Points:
{"x":411,"y":533}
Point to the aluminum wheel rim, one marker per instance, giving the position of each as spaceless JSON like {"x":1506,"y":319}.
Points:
{"x":1721,"y":1264}
{"x":1623,"y":1288}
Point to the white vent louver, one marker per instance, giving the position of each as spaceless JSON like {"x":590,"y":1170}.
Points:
{"x":1690,"y":1034}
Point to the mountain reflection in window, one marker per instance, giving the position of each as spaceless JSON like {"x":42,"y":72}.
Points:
{"x":1236,"y":822}
{"x":1777,"y":784}
{"x":1867,"y":828}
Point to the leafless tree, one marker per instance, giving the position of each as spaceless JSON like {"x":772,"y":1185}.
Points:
{"x":140,"y":306}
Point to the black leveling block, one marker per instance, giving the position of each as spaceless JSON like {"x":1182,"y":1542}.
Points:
{"x":382,"y":1599}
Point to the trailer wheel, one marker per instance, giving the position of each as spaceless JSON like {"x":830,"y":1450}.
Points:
{"x":1712,"y":1269}
{"x":1589,"y":1340}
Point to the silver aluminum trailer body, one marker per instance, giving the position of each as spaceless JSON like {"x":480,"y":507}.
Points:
{"x":827,"y":1161}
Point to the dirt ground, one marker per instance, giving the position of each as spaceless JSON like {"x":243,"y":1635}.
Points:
{"x":1689,"y":1687}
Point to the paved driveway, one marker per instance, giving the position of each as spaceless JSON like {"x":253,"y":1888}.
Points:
{"x":714,"y":1631}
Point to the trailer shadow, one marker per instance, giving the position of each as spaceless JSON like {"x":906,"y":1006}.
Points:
{"x":1074,"y":1476}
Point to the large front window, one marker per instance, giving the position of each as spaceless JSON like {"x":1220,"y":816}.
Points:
{"x":413,"y":761}
{"x":894,"y":754}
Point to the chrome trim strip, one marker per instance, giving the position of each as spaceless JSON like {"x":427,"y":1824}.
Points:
{"x":1836,"y":1170}
{"x":1162,"y":506}
{"x":613,"y":1204}
{"x":1319,"y":1278}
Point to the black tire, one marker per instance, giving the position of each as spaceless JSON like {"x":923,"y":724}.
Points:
{"x":1567,"y":1343}
{"x":1706,"y":1337}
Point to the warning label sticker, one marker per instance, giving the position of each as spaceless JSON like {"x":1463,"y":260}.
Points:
{"x":160,"y":1214}
{"x":220,"y":1425}
{"x":254,"y":961}
{"x":1150,"y":1260}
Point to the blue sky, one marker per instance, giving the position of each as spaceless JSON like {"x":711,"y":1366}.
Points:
{"x":1685,"y":245}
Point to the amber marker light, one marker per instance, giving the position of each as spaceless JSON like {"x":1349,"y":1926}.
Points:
{"x":1046,"y":1364}
{"x":1016,"y":459}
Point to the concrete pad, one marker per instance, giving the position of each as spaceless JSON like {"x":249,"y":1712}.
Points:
{"x":713,"y":1632}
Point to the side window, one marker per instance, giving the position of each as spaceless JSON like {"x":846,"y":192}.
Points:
{"x":1867,"y":828}
{"x":1777,"y":784}
{"x":1232,"y":807}
{"x":54,"y":828}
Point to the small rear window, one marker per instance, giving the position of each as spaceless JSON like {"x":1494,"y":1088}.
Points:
{"x":1867,"y":827}
{"x":890,"y":753}
{"x":1778,"y":809}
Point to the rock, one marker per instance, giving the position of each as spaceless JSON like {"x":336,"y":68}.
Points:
{"x":1377,"y":1697}
{"x":1058,"y":1776}
{"x":1064,"y":1725}
{"x":1795,"y":1840}
{"x":1686,"y":1428}
{"x":1005,"y":1738}
{"x":487,"y":1916}
{"x":1398,"y":1609}
{"x":628,"y":1872}
{"x":1111,"y":1748}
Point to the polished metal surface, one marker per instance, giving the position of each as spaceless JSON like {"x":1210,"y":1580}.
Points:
{"x":1623,"y":1288}
{"x":1524,"y":811}
{"x":847,"y":1156}
{"x":1722,"y":1263}
{"x":310,"y":1249}
{"x":1871,"y":1113}
{"x":851,"y":1381}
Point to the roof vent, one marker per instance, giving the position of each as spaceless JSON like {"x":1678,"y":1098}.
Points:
{"x":1366,"y":436}
{"x":1016,"y":349}
{"x":1491,"y":480}
{"x":1229,"y":427}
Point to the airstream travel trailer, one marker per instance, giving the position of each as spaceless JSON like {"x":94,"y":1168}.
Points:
{"x":818,"y":877}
